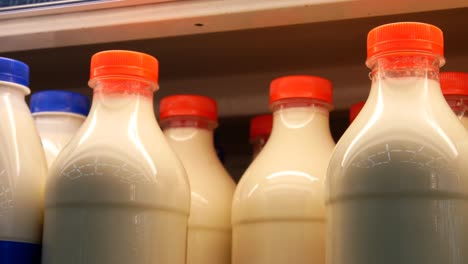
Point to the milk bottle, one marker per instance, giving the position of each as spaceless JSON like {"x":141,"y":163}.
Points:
{"x":117,"y":194}
{"x":395,"y":190}
{"x":354,"y":111}
{"x":58,"y":115}
{"x":455,"y":89}
{"x":22,"y":170}
{"x":260,"y":129}
{"x":188,"y":122}
{"x":278,"y":212}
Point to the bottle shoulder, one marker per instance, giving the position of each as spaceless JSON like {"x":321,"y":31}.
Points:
{"x":276,"y":163}
{"x":397,"y":157}
{"x":211,"y":186}
{"x":283,"y":185}
{"x":118,"y":167}
{"x":446,"y":134}
{"x":203,"y":172}
{"x":211,"y":203}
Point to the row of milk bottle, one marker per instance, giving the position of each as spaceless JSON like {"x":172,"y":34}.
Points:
{"x":395,"y":188}
{"x":116,"y":192}
{"x":454,"y":87}
{"x":121,"y":190}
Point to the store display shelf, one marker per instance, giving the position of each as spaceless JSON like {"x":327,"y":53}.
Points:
{"x":235,"y":67}
{"x":112,"y":21}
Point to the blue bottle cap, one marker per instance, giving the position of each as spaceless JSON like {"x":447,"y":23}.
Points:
{"x":14,"y":71}
{"x":59,"y":101}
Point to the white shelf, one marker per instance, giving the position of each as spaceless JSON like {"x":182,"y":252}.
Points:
{"x":112,"y":21}
{"x":240,"y":48}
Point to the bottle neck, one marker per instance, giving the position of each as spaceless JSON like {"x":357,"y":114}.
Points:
{"x":190,"y":133}
{"x":58,"y":121}
{"x":14,"y":90}
{"x":405,"y":65}
{"x":121,"y":102}
{"x":407,"y":83}
{"x":300,"y":121}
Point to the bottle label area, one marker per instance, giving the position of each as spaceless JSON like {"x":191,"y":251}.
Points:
{"x":19,"y":253}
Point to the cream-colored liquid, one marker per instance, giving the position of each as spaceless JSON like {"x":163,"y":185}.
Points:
{"x":117,"y":194}
{"x":209,"y":232}
{"x":22,"y":169}
{"x":397,"y":180}
{"x":278,"y":207}
{"x":56,"y":129}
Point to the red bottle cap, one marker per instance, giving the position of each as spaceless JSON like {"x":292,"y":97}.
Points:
{"x":124,"y":63}
{"x":188,"y":105}
{"x":405,"y":37}
{"x":260,"y":126}
{"x":354,"y":110}
{"x":454,"y":83}
{"x":301,"y":86}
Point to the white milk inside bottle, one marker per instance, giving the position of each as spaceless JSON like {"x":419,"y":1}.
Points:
{"x":260,"y":129}
{"x":455,"y":89}
{"x":58,"y":116}
{"x":278,"y":212}
{"x":117,"y":193}
{"x":188,"y":123}
{"x":396,"y":192}
{"x":23,"y":170}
